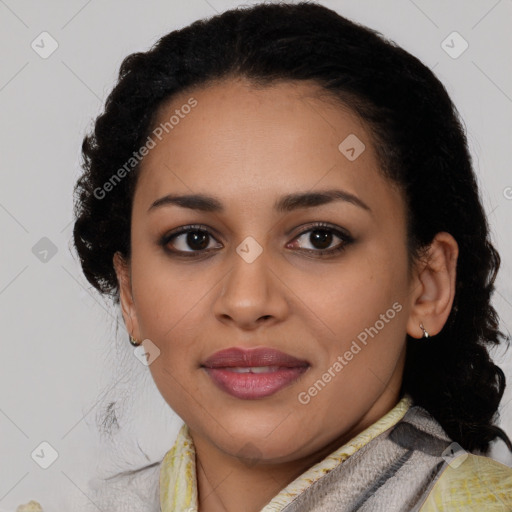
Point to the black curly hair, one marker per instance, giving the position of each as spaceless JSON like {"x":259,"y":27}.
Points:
{"x":420,"y":142}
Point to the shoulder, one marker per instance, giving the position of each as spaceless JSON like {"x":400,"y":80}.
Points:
{"x":471,"y":483}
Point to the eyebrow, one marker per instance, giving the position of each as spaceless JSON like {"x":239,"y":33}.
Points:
{"x":285,"y":204}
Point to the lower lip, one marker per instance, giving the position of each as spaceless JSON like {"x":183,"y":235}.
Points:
{"x":252,"y":386}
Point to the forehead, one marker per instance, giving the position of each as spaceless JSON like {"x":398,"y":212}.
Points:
{"x":252,"y":144}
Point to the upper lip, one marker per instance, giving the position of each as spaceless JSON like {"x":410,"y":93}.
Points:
{"x":254,"y":357}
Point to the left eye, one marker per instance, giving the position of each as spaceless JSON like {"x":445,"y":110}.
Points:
{"x":321,"y":238}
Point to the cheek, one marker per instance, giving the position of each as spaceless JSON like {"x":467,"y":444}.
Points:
{"x":169,"y":313}
{"x":353,"y":295}
{"x":364,"y":305}
{"x":168,"y":299}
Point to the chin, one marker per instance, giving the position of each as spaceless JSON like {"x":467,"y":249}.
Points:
{"x":261,"y":442}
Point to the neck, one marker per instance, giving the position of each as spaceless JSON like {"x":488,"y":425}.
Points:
{"x":229,"y":484}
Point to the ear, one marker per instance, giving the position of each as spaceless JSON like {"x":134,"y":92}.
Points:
{"x":434,"y":286}
{"x":122,"y":269}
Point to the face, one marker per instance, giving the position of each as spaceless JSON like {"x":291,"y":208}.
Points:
{"x":300,"y":253}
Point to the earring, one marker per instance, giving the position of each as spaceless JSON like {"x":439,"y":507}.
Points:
{"x":134,"y":342}
{"x":425,"y":332}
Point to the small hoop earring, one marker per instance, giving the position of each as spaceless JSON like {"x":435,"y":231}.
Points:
{"x":425,"y":332}
{"x":134,"y":342}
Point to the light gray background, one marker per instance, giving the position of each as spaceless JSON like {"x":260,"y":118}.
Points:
{"x":61,"y":358}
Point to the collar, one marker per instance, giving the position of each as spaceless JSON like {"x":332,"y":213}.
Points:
{"x":178,"y":486}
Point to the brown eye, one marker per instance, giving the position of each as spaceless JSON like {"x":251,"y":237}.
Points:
{"x":321,"y":238}
{"x":197,"y":240}
{"x":189,"y":240}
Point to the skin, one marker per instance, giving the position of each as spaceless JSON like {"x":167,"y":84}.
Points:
{"x":248,"y":147}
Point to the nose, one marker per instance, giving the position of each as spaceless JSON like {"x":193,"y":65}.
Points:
{"x":251,"y":294}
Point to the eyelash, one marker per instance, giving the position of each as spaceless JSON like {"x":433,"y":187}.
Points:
{"x":346,"y":239}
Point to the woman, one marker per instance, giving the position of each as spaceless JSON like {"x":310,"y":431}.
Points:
{"x":283,"y":204}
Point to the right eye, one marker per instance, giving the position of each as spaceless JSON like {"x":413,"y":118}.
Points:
{"x":188,"y":241}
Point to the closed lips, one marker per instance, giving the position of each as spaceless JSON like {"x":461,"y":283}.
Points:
{"x":251,"y":374}
{"x":256,"y":360}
